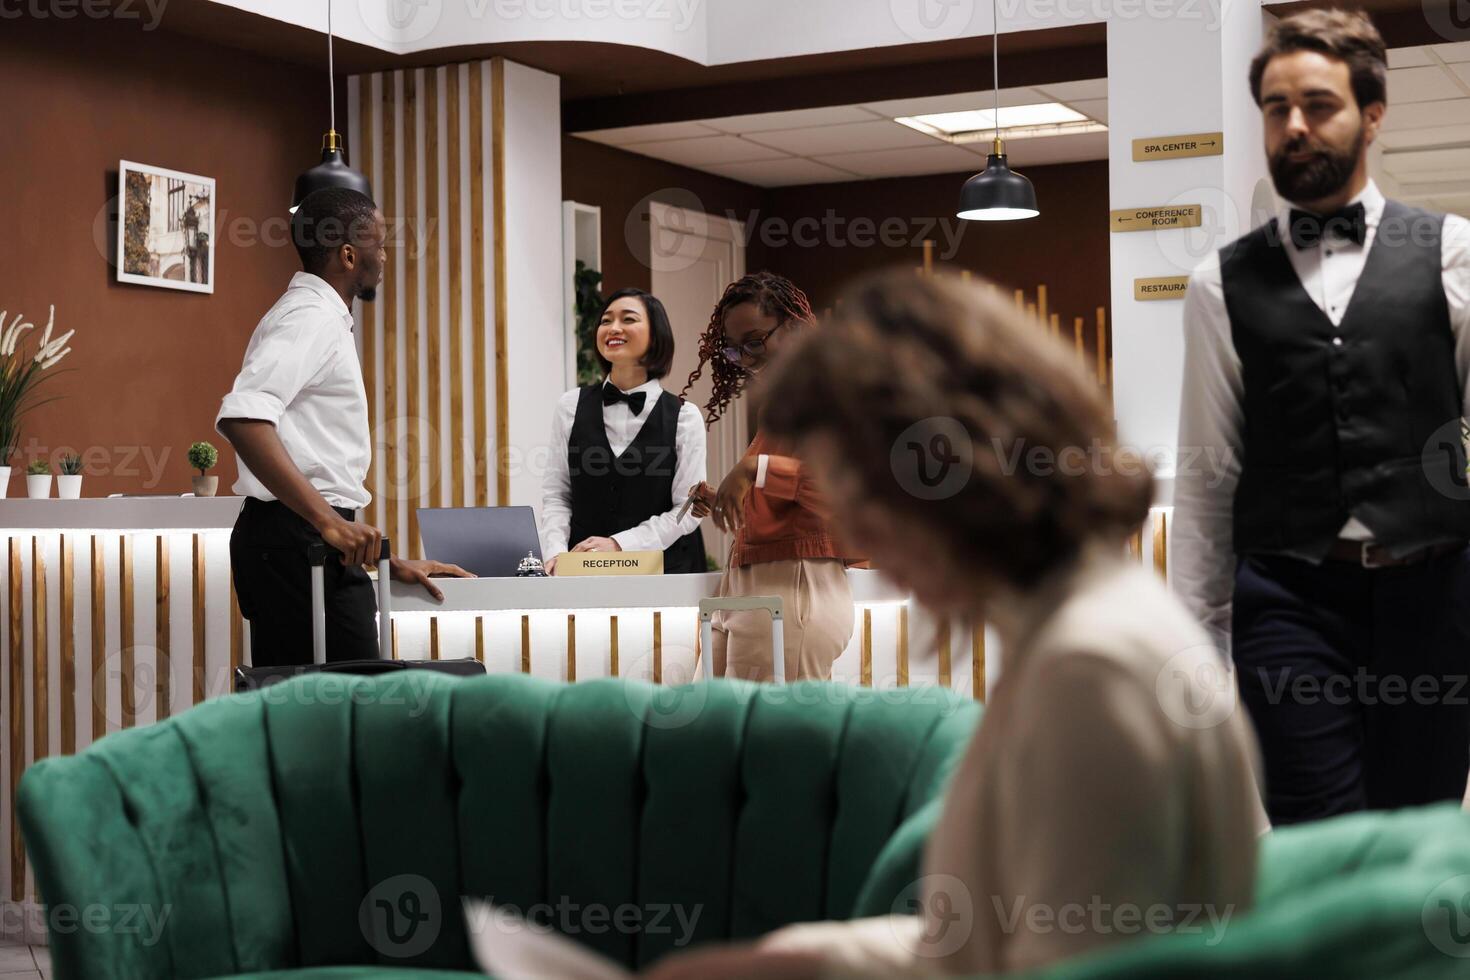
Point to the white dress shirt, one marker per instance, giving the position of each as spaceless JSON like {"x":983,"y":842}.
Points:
{"x":1210,"y":416}
{"x":622,"y":427}
{"x":302,"y":375}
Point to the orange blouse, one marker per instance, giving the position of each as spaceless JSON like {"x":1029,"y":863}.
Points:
{"x":787,"y":518}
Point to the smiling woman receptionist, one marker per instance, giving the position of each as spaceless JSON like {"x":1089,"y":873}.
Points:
{"x":625,"y":453}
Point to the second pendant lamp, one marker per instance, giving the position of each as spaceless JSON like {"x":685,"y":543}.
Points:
{"x":333,"y":171}
{"x":997,"y":193}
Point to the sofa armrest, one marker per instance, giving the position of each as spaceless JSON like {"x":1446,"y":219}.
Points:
{"x":892,"y":884}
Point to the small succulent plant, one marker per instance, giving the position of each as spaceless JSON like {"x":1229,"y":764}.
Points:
{"x":203,"y":456}
{"x":71,"y":465}
{"x":38,"y":467}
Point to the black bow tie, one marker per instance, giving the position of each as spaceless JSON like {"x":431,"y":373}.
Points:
{"x":611,"y":396}
{"x":1307,"y":228}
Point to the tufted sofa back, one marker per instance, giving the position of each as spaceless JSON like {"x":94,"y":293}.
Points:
{"x":336,"y":820}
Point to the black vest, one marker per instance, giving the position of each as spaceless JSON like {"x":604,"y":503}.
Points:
{"x":1361,"y":419}
{"x":613,"y":493}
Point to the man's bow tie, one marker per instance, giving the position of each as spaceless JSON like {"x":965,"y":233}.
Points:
{"x":611,"y":396}
{"x":1307,"y":228}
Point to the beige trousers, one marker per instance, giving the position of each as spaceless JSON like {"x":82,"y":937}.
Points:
{"x":817,"y":609}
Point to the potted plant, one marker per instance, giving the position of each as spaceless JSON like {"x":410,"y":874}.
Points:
{"x":69,"y":481}
{"x":20,"y":373}
{"x":203,"y":456}
{"x":38,"y":479}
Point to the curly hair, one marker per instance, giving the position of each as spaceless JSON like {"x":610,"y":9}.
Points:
{"x":776,"y":296}
{"x":905,"y":356}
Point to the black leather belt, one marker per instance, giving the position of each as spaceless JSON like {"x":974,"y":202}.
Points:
{"x":1370,"y":555}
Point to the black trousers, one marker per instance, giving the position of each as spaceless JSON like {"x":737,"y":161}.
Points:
{"x":273,"y":586}
{"x":1357,"y":680}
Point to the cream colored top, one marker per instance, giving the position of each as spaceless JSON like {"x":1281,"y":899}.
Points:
{"x":1108,"y":793}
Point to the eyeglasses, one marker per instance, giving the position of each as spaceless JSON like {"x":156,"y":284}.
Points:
{"x":752,"y":348}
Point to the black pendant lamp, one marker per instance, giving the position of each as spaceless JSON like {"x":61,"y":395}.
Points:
{"x":333,"y":170}
{"x":998,"y":193}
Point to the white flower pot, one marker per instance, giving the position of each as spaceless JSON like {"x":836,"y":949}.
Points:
{"x":4,"y":481}
{"x":38,"y":487}
{"x":69,"y":486}
{"x":205,"y":486}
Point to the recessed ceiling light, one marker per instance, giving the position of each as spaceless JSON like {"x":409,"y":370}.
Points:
{"x":1016,"y":122}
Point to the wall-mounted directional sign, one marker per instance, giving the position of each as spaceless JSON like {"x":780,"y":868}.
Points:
{"x":1174,"y":147}
{"x":1159,"y":287}
{"x":1155,"y":219}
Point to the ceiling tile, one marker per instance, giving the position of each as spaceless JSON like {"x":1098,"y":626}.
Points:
{"x":781,"y":173}
{"x":983,"y":99}
{"x":1092,"y":108}
{"x":1444,"y":179}
{"x":880,"y":134}
{"x":1398,"y":139}
{"x":1462,"y":71}
{"x":794,"y":119}
{"x":1408,"y":58}
{"x":1420,"y":85}
{"x":1427,"y":115}
{"x":1418,"y":162}
{"x":1057,"y":149}
{"x":647,"y":134}
{"x":1089,"y":88}
{"x":1453,"y":53}
{"x":899,"y":163}
{"x":705,"y":150}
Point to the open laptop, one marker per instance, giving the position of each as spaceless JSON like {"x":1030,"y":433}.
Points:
{"x":489,"y":541}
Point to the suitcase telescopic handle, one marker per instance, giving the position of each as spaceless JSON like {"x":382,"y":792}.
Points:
{"x":316,"y":555}
{"x":707,"y":609}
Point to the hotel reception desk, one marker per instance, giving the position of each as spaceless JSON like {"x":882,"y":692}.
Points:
{"x":119,"y":612}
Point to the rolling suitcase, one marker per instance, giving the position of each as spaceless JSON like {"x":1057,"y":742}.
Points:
{"x":251,"y":678}
{"x":707,"y":608}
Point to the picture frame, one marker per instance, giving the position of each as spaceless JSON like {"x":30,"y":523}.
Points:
{"x":165,"y":228}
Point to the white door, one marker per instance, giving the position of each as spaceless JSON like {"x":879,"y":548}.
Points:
{"x":694,"y":256}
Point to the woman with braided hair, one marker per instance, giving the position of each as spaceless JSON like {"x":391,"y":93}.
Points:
{"x":783,"y":544}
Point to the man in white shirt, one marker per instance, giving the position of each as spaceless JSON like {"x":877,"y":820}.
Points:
{"x":298,"y":419}
{"x":1326,"y":363}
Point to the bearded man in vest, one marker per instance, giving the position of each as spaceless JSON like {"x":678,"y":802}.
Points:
{"x":1326,"y":358}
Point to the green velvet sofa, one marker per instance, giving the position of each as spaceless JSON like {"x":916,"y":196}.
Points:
{"x":326,"y":828}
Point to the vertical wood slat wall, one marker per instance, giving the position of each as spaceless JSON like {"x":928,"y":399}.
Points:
{"x":431,"y":142}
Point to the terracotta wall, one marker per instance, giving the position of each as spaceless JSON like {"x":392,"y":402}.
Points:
{"x":820,"y":235}
{"x":149,"y":365}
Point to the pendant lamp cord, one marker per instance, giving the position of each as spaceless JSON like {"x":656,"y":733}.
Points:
{"x":995,"y":62}
{"x":331,"y":68}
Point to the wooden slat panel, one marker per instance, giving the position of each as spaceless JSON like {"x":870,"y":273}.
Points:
{"x":977,"y":668}
{"x":388,"y":300}
{"x":393,"y":631}
{"x":479,"y":404}
{"x":612,"y":641}
{"x":456,"y":284}
{"x":903,"y":646}
{"x":658,"y":648}
{"x":40,"y":657}
{"x":237,"y":630}
{"x":368,"y":113}
{"x":1102,"y":346}
{"x":525,"y":644}
{"x":865,"y":662}
{"x":433,"y":637}
{"x":199,"y":578}
{"x":412,"y":326}
{"x":68,"y":627}
{"x":942,"y":641}
{"x":99,"y":638}
{"x":480,"y":638}
{"x":502,"y":307}
{"x":571,"y":647}
{"x":163,"y":681}
{"x":434,"y":480}
{"x":1161,"y":545}
{"x":16,"y":728}
{"x":126,"y":638}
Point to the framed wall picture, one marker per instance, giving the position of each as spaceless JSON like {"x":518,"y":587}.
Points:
{"x":165,"y":228}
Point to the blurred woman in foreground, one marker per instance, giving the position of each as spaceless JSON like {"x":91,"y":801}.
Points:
{"x":965,"y":452}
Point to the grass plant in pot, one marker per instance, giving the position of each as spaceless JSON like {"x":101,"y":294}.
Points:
{"x":69,"y":480}
{"x":203,"y":456}
{"x":21,"y":372}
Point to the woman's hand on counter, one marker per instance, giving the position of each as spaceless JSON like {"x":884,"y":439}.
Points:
{"x":550,"y":566}
{"x":730,"y":499}
{"x":408,"y":570}
{"x":598,"y":544}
